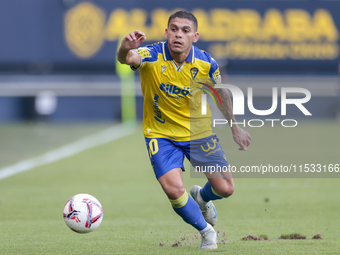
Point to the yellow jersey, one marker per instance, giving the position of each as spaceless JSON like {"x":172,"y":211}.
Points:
{"x":172,"y":102}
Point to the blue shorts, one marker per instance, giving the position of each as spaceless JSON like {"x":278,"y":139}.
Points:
{"x":166,"y":154}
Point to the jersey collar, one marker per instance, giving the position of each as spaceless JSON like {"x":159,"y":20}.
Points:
{"x":167,"y":56}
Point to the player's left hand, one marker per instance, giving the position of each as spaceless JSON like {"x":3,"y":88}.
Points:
{"x":241,"y":137}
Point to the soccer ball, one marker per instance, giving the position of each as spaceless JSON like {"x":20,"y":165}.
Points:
{"x":83,"y":213}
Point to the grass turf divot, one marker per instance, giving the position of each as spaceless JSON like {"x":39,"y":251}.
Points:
{"x":256,"y":238}
{"x":264,"y":237}
{"x":317,"y":236}
{"x":251,"y":237}
{"x":292,"y":236}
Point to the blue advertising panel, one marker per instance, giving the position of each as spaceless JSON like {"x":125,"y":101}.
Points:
{"x":247,"y":36}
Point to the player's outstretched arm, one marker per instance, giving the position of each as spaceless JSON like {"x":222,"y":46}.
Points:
{"x":125,"y":55}
{"x":241,"y":137}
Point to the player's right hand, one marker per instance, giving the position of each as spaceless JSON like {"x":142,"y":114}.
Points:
{"x":133,"y":40}
{"x":241,"y":137}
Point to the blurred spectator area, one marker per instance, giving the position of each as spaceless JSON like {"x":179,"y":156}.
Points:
{"x":57,"y":57}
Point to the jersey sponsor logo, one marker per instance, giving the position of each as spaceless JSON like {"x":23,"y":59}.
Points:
{"x":194,"y":72}
{"x":157,"y":111}
{"x":163,"y":68}
{"x":174,"y":91}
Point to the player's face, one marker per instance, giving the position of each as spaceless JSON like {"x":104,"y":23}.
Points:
{"x":181,"y":33}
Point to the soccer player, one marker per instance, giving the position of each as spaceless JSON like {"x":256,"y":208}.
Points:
{"x":171,"y":132}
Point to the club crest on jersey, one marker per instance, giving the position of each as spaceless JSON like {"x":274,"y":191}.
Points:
{"x":174,"y":91}
{"x":163,"y":68}
{"x":194,"y":72}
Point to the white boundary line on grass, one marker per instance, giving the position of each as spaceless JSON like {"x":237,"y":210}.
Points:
{"x":68,"y":150}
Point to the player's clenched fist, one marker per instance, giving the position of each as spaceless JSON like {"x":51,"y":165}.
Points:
{"x":129,"y":42}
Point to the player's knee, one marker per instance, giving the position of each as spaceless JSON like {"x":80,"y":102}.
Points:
{"x":225,"y":191}
{"x":173,"y":191}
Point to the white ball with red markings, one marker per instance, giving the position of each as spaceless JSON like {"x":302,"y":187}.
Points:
{"x":83,"y":213}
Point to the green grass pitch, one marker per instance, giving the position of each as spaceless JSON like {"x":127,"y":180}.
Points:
{"x":138,"y":218}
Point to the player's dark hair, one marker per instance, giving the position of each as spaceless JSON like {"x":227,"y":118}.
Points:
{"x":184,"y":15}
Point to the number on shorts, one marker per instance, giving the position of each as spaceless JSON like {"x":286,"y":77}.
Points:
{"x":153,"y":145}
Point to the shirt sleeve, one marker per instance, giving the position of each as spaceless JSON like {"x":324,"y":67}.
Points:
{"x":214,"y":72}
{"x":148,"y":55}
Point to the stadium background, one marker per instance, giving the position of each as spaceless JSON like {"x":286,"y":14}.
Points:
{"x":61,"y":109}
{"x":64,"y":52}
